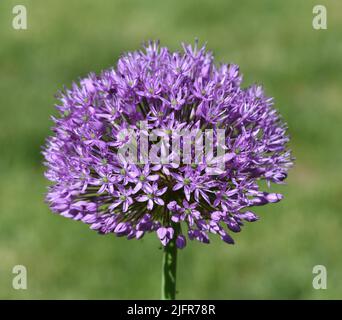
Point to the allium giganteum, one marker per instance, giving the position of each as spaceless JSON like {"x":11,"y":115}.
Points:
{"x":99,"y":158}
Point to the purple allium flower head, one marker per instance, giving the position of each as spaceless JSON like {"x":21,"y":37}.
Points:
{"x":167,"y":92}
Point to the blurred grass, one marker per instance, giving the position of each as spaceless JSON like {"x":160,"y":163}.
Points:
{"x":274,"y":44}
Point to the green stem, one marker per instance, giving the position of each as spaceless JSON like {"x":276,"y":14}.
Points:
{"x":168,"y":291}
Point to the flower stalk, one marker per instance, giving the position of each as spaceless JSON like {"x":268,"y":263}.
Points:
{"x":169,"y":269}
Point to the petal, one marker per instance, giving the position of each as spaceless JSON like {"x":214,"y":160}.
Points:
{"x":137,"y":187}
{"x":233,"y":225}
{"x":227,"y":238}
{"x":146,"y":169}
{"x":139,"y":234}
{"x":170,"y":232}
{"x":185,"y":204}
{"x":150,"y":204}
{"x":159,"y":201}
{"x":165,"y":241}
{"x":121,"y":228}
{"x":177,"y":177}
{"x":153,"y":177}
{"x":216,"y":216}
{"x":216,"y":202}
{"x":142,"y":198}
{"x":173,"y":206}
{"x":187,"y":193}
{"x":161,"y":191}
{"x":177,"y":186}
{"x":114,"y":205}
{"x":274,"y":197}
{"x":166,"y":170}
{"x":205,"y":196}
{"x":147,"y":188}
{"x":125,"y":206}
{"x":248,"y":216}
{"x":180,"y":242}
{"x":160,"y":132}
{"x":103,"y":187}
{"x":175,"y":218}
{"x":129,"y":200}
{"x":157,"y":167}
{"x":161,"y":232}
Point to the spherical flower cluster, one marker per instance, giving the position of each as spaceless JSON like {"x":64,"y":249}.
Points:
{"x":95,"y":183}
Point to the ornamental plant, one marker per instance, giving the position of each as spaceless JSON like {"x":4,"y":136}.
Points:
{"x":168,"y":143}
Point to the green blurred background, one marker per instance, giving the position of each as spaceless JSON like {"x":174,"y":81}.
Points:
{"x":274,"y":44}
